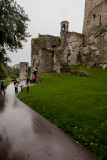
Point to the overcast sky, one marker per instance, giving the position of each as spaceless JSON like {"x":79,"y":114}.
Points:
{"x":46,"y":16}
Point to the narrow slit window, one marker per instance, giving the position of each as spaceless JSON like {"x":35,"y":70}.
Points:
{"x":100,"y":19}
{"x":94,"y":16}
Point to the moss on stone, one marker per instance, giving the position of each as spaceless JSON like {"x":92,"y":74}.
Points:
{"x":32,"y":41}
{"x":79,"y":57}
{"x":51,"y":49}
{"x":42,"y":38}
{"x":59,"y":38}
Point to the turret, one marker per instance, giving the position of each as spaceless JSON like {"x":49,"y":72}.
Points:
{"x":64,"y":26}
{"x":64,"y":29}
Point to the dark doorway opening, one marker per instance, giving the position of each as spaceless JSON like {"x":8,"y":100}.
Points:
{"x":35,"y":72}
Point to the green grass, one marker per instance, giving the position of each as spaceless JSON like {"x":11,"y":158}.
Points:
{"x":77,"y":105}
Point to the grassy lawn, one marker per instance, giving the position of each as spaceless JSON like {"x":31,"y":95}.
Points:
{"x":77,"y":105}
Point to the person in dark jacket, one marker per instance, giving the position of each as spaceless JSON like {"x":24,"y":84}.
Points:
{"x":2,"y":87}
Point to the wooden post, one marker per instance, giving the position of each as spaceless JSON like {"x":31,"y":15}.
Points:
{"x":27,"y":88}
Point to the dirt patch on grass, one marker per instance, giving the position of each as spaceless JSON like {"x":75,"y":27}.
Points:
{"x":80,"y":73}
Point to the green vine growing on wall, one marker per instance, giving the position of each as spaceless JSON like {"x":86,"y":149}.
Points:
{"x":79,"y":57}
{"x":59,"y":38}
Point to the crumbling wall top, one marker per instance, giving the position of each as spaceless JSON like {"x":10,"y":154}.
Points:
{"x":47,"y":41}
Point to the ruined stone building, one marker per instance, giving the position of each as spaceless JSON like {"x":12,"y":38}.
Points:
{"x":49,"y":53}
{"x":57,"y":54}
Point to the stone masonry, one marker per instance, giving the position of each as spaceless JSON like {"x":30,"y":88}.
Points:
{"x":42,"y":55}
{"x":94,"y":48}
{"x":23,"y":70}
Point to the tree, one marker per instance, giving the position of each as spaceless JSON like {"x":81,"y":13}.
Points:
{"x":13,"y":27}
{"x":3,"y":72}
{"x":13,"y":72}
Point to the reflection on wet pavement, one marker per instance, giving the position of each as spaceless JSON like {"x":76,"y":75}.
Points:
{"x":25,"y":135}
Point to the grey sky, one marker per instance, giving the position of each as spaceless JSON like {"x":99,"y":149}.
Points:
{"x":46,"y":16}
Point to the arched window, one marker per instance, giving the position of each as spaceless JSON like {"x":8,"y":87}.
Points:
{"x":63,"y":26}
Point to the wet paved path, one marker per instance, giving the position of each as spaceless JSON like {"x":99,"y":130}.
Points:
{"x":25,"y":135}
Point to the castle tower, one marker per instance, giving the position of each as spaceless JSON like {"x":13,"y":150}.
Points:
{"x":64,"y":26}
{"x":91,"y":11}
{"x":23,"y":70}
{"x":64,"y":29}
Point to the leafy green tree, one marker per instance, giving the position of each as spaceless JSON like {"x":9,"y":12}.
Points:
{"x":13,"y":27}
{"x":13,"y":72}
{"x":3,"y":72}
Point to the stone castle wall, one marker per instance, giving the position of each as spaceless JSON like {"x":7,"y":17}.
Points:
{"x":50,"y":54}
{"x":94,"y":49}
{"x":23,"y":70}
{"x":73,"y":43}
{"x":95,"y":12}
{"x":42,"y":53}
{"x":67,"y":54}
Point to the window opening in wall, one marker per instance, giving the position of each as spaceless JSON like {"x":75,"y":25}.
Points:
{"x":100,"y":19}
{"x":54,"y":45}
{"x":26,"y":70}
{"x":94,"y":16}
{"x":63,"y":26}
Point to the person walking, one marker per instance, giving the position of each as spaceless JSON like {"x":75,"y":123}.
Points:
{"x":16,"y":86}
{"x":2,"y":87}
{"x":20,"y":85}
